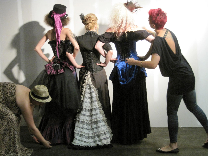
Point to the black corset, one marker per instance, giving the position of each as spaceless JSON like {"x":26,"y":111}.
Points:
{"x":63,"y":48}
{"x":90,"y":61}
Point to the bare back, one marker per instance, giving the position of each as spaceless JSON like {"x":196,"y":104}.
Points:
{"x":169,"y":39}
{"x":51,"y":34}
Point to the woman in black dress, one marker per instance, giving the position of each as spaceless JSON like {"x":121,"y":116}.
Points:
{"x":92,"y":128}
{"x":57,"y":124}
{"x":130,"y":117}
{"x":167,"y":53}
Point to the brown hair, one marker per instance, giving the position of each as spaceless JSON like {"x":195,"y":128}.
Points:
{"x":50,"y":21}
{"x":90,"y":21}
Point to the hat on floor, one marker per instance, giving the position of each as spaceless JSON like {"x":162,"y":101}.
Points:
{"x":40,"y":93}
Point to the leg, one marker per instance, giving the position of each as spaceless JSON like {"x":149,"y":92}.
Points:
{"x":173,"y":102}
{"x":191,"y":104}
{"x":10,"y":133}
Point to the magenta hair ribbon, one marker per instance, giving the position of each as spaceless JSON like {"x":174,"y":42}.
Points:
{"x":58,"y":28}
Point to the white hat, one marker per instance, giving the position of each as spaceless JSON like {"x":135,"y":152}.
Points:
{"x":40,"y":93}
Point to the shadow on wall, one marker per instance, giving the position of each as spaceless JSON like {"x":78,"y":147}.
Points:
{"x":27,"y":60}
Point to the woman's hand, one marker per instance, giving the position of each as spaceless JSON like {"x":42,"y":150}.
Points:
{"x":130,"y":61}
{"x":47,"y":144}
{"x":51,"y":60}
{"x":79,"y":66}
{"x":113,"y":60}
{"x":102,"y":64}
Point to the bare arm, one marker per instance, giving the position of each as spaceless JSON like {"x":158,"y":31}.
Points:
{"x":28,"y":116}
{"x":149,"y":31}
{"x":73,"y":61}
{"x":99,"y":48}
{"x":150,"y":38}
{"x":143,"y":58}
{"x":146,"y":64}
{"x":107,"y":59}
{"x":73,"y":41}
{"x":39,"y":46}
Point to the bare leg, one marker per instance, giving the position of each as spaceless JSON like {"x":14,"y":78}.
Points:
{"x":173,"y":102}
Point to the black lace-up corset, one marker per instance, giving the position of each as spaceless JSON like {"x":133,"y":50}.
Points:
{"x":90,"y":60}
{"x":89,"y":54}
{"x":63,"y":48}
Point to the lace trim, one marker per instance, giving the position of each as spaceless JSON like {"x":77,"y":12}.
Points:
{"x":91,"y":128}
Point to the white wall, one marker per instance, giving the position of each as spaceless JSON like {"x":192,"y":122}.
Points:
{"x":22,"y":25}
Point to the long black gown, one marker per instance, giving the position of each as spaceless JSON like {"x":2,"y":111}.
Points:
{"x":57,"y":123}
{"x":92,"y":128}
{"x":130,"y":117}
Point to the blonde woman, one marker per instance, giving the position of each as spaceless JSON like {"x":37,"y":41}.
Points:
{"x":17,"y":100}
{"x":130,"y":117}
{"x":92,"y":128}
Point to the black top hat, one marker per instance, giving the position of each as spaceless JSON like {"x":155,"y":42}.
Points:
{"x":59,"y":8}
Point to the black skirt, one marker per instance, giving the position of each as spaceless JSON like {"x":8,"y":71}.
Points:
{"x":130,"y":116}
{"x":57,"y":123}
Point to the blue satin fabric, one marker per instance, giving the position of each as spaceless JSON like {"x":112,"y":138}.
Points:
{"x":125,"y":71}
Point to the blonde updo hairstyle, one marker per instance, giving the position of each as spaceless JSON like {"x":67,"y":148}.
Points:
{"x":90,"y":21}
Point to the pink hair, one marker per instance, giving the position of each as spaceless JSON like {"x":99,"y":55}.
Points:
{"x":157,"y":17}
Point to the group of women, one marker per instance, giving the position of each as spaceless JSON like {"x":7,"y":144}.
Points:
{"x":79,"y":113}
{"x":87,"y":100}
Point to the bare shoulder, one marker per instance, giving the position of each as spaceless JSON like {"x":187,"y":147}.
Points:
{"x":21,"y":89}
{"x":66,"y":30}
{"x":22,"y":95}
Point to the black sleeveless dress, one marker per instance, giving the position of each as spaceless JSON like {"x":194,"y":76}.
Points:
{"x":57,"y":124}
{"x":130,"y":117}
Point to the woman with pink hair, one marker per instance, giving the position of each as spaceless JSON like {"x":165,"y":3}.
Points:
{"x":167,"y":53}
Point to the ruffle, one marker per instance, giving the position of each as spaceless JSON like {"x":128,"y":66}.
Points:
{"x":126,"y":73}
{"x":91,"y":128}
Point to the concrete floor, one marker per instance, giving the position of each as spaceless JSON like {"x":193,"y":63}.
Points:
{"x":190,"y":142}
